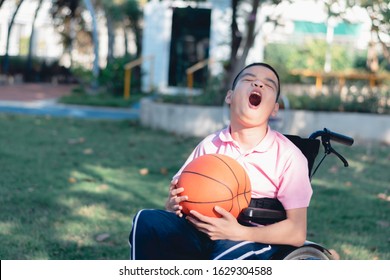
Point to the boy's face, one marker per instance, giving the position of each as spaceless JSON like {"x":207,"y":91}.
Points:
{"x":253,"y":100}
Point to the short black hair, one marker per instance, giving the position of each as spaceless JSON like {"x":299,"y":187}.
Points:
{"x":258,"y":64}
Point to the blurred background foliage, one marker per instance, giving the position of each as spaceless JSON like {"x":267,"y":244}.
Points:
{"x":75,"y":21}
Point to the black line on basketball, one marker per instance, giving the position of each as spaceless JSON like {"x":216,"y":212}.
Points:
{"x":234,"y":174}
{"x":235,"y":177}
{"x":245,"y":190}
{"x":211,"y":178}
{"x":205,"y":202}
{"x":249,"y":188}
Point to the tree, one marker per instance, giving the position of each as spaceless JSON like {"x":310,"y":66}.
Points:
{"x":379,"y":12}
{"x":335,"y":13}
{"x":114,"y":15}
{"x":95,"y":38}
{"x":6,"y":56}
{"x":132,"y":19}
{"x":31,"y":41}
{"x":132,"y":22}
{"x":67,"y":15}
{"x":242,"y":40}
{"x":68,"y":20}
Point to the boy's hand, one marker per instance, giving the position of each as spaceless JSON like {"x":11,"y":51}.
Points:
{"x":225,"y":227}
{"x":174,"y":199}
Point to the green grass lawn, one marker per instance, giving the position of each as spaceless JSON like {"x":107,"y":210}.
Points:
{"x":69,"y":189}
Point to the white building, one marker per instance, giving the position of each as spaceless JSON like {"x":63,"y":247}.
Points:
{"x":179,"y":34}
{"x":177,"y":44}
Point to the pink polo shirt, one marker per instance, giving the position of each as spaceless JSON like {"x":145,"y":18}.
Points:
{"x":276,"y":167}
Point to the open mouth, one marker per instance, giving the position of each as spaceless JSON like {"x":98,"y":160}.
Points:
{"x":255,"y":99}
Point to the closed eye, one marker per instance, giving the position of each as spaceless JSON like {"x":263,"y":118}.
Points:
{"x":248,"y":77}
{"x":272,"y":84}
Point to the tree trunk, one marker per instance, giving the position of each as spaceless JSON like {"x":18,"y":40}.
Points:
{"x":250,"y":37}
{"x":6,"y":57}
{"x":126,"y":40}
{"x":111,"y":39}
{"x":385,"y":49}
{"x":95,"y":38}
{"x":138,"y":38}
{"x":30,"y":44}
{"x":330,"y":25}
{"x":240,"y":45}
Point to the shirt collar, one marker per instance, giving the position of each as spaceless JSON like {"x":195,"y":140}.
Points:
{"x":225,"y":135}
{"x":263,"y":146}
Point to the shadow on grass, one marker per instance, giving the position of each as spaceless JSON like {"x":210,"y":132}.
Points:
{"x":70,"y":188}
{"x":348,"y":211}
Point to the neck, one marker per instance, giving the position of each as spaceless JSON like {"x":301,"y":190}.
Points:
{"x":248,"y":138}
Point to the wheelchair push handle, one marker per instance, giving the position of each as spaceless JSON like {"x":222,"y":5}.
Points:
{"x":342,"y":139}
{"x":327,"y":135}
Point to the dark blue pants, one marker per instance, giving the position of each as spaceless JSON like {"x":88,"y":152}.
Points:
{"x":159,"y":234}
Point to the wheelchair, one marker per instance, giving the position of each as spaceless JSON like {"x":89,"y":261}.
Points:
{"x":267,"y":211}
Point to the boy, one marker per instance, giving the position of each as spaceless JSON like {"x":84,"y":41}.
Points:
{"x":276,"y":168}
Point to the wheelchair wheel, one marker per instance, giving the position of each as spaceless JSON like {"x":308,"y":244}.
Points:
{"x":307,"y":253}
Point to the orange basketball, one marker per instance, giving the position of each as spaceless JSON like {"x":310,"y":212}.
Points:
{"x":214,"y":179}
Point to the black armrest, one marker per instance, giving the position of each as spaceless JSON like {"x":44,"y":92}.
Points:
{"x":251,"y":215}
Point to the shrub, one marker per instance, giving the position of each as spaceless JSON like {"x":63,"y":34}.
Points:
{"x":362,"y":103}
{"x":113,"y":76}
{"x":310,"y":55}
{"x":38,"y":69}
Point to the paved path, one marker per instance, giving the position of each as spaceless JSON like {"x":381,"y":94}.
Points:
{"x":41,"y":99}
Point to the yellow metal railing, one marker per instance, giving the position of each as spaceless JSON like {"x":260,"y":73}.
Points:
{"x":191,"y":70}
{"x":129,"y":66}
{"x":342,"y":77}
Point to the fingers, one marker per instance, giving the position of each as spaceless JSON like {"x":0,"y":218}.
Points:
{"x":174,"y":198}
{"x":200,"y":225}
{"x":200,"y":222}
{"x":223,"y":212}
{"x":215,"y":228}
{"x":175,"y":191}
{"x":177,"y":199}
{"x":201,"y":218}
{"x":174,"y":183}
{"x":174,"y":202}
{"x":177,"y":209}
{"x":206,"y":219}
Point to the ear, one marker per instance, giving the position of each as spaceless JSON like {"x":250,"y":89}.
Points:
{"x":228,"y":98}
{"x":275,"y":110}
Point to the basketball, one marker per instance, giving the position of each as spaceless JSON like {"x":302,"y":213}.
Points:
{"x":212,"y":180}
